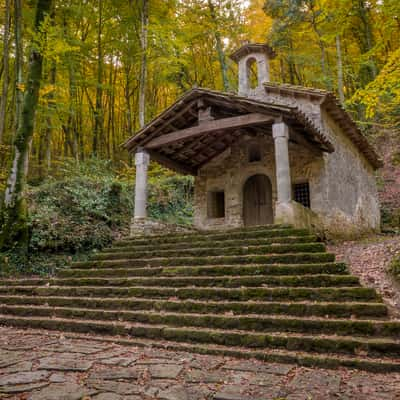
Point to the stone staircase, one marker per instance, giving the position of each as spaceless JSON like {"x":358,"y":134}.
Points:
{"x":270,"y":292}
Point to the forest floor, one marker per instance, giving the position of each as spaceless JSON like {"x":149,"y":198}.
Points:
{"x":369,"y":259}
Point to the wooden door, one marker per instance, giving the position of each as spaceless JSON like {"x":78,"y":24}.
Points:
{"x":257,"y":201}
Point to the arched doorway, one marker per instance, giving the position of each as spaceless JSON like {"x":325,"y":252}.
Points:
{"x":257,"y":201}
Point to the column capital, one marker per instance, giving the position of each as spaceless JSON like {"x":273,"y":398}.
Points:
{"x":280,"y":129}
{"x":142,"y":157}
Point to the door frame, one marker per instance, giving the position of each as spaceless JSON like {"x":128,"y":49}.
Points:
{"x":244,"y":182}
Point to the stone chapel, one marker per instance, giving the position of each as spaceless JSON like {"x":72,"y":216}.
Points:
{"x":272,"y":153}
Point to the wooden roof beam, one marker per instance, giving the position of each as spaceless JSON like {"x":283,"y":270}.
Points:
{"x":209,"y":127}
{"x":131,"y":141}
{"x":174,"y":165}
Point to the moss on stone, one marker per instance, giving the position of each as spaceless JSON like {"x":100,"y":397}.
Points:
{"x":262,"y":232}
{"x":128,"y":246}
{"x":207,"y":252}
{"x":236,"y":294}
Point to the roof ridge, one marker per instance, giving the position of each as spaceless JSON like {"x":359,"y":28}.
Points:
{"x":300,"y":88}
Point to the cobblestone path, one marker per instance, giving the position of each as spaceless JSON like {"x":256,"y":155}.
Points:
{"x":43,"y":365}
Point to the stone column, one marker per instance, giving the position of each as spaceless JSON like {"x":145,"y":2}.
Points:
{"x":280,"y":133}
{"x":142,"y":160}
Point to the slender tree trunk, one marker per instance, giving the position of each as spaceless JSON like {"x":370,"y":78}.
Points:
{"x":6,"y":51}
{"x":14,"y":231}
{"x":367,"y":72}
{"x":1,"y":67}
{"x":48,"y":134}
{"x":19,"y":94}
{"x":143,"y":65}
{"x":339,"y":69}
{"x":98,"y":113}
{"x":220,"y":51}
{"x":127,"y":95}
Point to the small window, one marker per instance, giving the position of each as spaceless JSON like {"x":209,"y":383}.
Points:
{"x":302,"y":193}
{"x":254,"y":154}
{"x":216,"y":204}
{"x":252,"y":73}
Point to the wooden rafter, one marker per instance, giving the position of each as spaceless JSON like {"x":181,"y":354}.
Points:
{"x":209,"y":127}
{"x":176,"y":166}
{"x":230,"y":141}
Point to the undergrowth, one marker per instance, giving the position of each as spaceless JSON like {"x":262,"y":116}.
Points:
{"x":85,"y":207}
{"x":394,"y":267}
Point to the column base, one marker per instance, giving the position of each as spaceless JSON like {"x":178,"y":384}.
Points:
{"x":144,"y":226}
{"x":295,"y":214}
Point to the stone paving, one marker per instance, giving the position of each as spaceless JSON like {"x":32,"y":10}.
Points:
{"x":43,"y":365}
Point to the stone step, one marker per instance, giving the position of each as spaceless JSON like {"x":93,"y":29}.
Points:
{"x":323,"y":344}
{"x":203,"y":293}
{"x":190,"y":243}
{"x":307,"y":359}
{"x":209,"y":270}
{"x":260,"y":323}
{"x":212,"y":251}
{"x":321,"y":280}
{"x":289,"y":258}
{"x":262,"y":232}
{"x":304,"y":308}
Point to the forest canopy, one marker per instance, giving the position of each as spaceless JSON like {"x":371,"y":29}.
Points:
{"x":93,"y":52}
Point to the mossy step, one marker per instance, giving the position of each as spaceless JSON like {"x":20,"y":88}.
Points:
{"x":260,"y":323}
{"x":209,"y":270}
{"x":223,"y":230}
{"x":204,"y":293}
{"x":334,"y":344}
{"x":213,"y":236}
{"x":309,"y":359}
{"x":220,"y":281}
{"x":212,"y":251}
{"x":289,"y":258}
{"x":338,"y":310}
{"x":217,"y":281}
{"x":121,"y":245}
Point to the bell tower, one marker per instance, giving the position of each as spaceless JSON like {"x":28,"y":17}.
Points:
{"x":253,"y":62}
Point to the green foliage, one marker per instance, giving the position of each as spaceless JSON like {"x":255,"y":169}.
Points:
{"x":381,"y":97}
{"x":390,"y":218}
{"x":12,"y":264}
{"x":170,"y":195}
{"x":87,"y":205}
{"x":170,"y":199}
{"x":394,"y":267}
{"x":79,"y":210}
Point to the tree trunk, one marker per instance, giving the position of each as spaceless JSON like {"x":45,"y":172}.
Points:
{"x":98,"y":113}
{"x":339,"y":69}
{"x":19,"y":94}
{"x":127,"y":95}
{"x":14,"y":233}
{"x":48,"y":134}
{"x":369,"y":71}
{"x":143,"y":65}
{"x":220,"y":51}
{"x":6,"y":50}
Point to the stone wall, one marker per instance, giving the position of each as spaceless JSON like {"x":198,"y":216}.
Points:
{"x":349,"y":203}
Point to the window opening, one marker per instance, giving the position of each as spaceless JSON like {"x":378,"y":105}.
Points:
{"x":254,"y":154}
{"x":216,"y":204}
{"x":302,"y":193}
{"x":252,"y":73}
